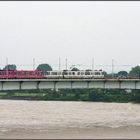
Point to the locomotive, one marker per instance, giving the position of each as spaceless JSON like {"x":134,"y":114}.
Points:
{"x":38,"y":74}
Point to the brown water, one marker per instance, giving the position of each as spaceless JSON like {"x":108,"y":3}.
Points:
{"x":61,"y":119}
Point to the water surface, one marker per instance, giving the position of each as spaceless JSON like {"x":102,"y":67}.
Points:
{"x":55,"y":116}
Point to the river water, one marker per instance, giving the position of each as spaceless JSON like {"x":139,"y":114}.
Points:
{"x":65,"y":119}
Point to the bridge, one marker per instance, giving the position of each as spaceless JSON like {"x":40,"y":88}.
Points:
{"x":23,"y":84}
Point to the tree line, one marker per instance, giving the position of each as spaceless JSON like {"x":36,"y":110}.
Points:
{"x":92,"y":95}
{"x":43,"y":67}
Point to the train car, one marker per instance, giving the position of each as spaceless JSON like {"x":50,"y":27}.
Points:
{"x":68,"y":74}
{"x":21,"y":74}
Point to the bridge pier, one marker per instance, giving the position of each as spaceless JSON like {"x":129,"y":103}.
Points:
{"x":71,"y":84}
{"x":37,"y":86}
{"x":88,"y":84}
{"x":137,"y":85}
{"x":1,"y":85}
{"x":20,"y":85}
{"x":119,"y":84}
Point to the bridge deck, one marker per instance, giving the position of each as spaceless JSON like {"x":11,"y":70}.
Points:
{"x":47,"y":80}
{"x":19,"y":84}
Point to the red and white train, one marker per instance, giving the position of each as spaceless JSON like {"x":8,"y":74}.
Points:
{"x":37,"y":74}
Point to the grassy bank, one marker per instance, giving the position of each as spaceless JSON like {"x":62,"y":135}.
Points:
{"x":95,"y":95}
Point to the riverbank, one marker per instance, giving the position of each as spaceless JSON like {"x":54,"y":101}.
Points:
{"x":94,"y":133}
{"x":93,"y":95}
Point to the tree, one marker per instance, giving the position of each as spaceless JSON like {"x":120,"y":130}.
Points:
{"x":135,"y":71}
{"x":74,"y":69}
{"x":10,"y":67}
{"x":122,"y":74}
{"x":44,"y":67}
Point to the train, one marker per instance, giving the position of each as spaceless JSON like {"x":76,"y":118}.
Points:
{"x":38,"y":74}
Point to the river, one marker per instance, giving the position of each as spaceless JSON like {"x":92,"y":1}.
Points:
{"x":68,"y":119}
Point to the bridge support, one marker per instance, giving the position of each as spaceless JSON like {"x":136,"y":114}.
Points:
{"x":1,"y":85}
{"x":37,"y":86}
{"x":20,"y":84}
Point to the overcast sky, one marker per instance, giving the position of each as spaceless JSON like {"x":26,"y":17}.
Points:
{"x":77,"y":31}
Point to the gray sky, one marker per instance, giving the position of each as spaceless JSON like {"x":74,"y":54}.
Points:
{"x":77,"y":31}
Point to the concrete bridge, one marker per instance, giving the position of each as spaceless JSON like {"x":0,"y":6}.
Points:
{"x":22,"y":84}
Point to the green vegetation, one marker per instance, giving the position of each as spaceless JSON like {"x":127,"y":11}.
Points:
{"x":10,"y":67}
{"x":122,"y":73}
{"x":44,"y":67}
{"x":74,"y":69}
{"x":135,"y":71}
{"x":93,"y":95}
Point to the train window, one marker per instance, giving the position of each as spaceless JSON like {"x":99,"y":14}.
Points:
{"x":87,"y":73}
{"x":82,"y":73}
{"x":54,"y":73}
{"x":65,"y":73}
{"x":97,"y":73}
{"x":59,"y":73}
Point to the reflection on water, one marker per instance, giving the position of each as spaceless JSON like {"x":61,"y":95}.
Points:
{"x":62,"y":114}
